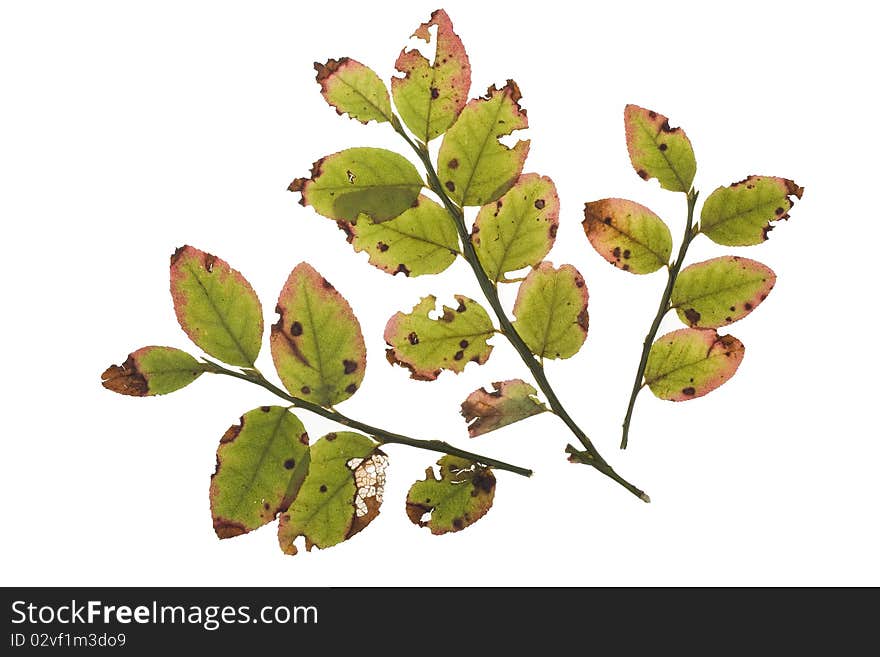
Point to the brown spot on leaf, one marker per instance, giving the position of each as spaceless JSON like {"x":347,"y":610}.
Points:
{"x":327,"y":284}
{"x":689,"y":391}
{"x":583,"y":320}
{"x":304,"y":438}
{"x":351,"y":388}
{"x":607,"y":221}
{"x":305,"y":390}
{"x":331,"y":436}
{"x":328,"y":69}
{"x":323,"y":488}
{"x":625,"y":268}
{"x":413,"y":338}
{"x":177,"y":253}
{"x":453,"y":163}
{"x":289,"y":464}
{"x":416,"y":511}
{"x":435,"y":93}
{"x":780,"y":212}
{"x":692,"y":316}
{"x":665,"y":127}
{"x":461,"y":307}
{"x":296,"y":329}
{"x":642,"y":174}
{"x":747,"y":306}
{"x":663,"y":147}
{"x":349,"y":366}
{"x":232,"y":432}
{"x":626,"y":254}
{"x":553,"y":229}
{"x":463,"y":344}
{"x":209,"y":262}
{"x":125,"y":379}
{"x":228,"y":528}
{"x":382,"y":246}
{"x":484,"y":481}
{"x":402,"y":269}
{"x":265,"y":409}
{"x":458,"y":355}
{"x":616,"y":252}
{"x":652,"y":114}
{"x":450,"y":185}
{"x":765,"y":231}
{"x":539,"y":204}
{"x":458,"y":523}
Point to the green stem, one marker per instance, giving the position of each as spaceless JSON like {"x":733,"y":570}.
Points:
{"x":590,"y":455}
{"x":381,"y":436}
{"x":689,"y":234}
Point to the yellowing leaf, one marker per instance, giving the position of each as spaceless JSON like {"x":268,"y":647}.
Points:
{"x":518,"y":229}
{"x":152,"y":371}
{"x":427,"y":346}
{"x":689,"y":363}
{"x":658,"y":151}
{"x":462,"y":495}
{"x":741,"y":215}
{"x":628,"y":235}
{"x":719,"y":291}
{"x":551,"y":311}
{"x":430,"y":95}
{"x":216,"y":307}
{"x":317,"y":343}
{"x":354,"y":89}
{"x":261,"y":463}
{"x":371,"y":181}
{"x":340,"y":495}
{"x":509,"y":402}
{"x":474,"y":167}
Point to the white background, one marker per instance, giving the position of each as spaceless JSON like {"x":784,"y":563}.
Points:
{"x":129,"y":129}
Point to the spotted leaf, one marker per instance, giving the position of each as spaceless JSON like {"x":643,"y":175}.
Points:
{"x":462,"y":495}
{"x":216,"y":307}
{"x":152,"y":371}
{"x":261,"y":464}
{"x":317,"y":343}
{"x":690,"y":363}
{"x":354,"y":89}
{"x":371,"y":181}
{"x":720,"y":291}
{"x":628,"y":235}
{"x":518,"y":229}
{"x":474,"y":167}
{"x":431,"y":95}
{"x":551,"y":311}
{"x":509,"y":402}
{"x":341,"y":493}
{"x":427,"y":346}
{"x":658,"y":151}
{"x":742,"y":214}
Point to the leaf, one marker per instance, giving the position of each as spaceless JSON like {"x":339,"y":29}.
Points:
{"x":354,"y":89}
{"x":628,"y":235}
{"x":689,"y":363}
{"x":431,"y":95}
{"x":423,"y":240}
{"x":474,"y":167}
{"x":551,"y":311}
{"x":371,"y":181}
{"x":720,"y":291}
{"x":509,"y":402}
{"x":340,"y":495}
{"x":427,"y":346}
{"x":463,"y":494}
{"x":741,"y":215}
{"x":519,"y":229}
{"x":152,"y":371}
{"x":261,"y":463}
{"x":317,"y":344}
{"x":216,"y":307}
{"x":658,"y":151}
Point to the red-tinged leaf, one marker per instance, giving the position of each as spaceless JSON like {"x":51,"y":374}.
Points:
{"x":628,"y":235}
{"x":354,"y":89}
{"x":509,"y":402}
{"x":152,"y":371}
{"x":658,"y":151}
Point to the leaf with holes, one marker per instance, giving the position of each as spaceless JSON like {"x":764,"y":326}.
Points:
{"x":152,"y":371}
{"x":431,"y":95}
{"x":371,"y":181}
{"x":741,"y":215}
{"x":216,"y":307}
{"x":341,"y":493}
{"x":354,"y":89}
{"x":423,"y":240}
{"x":462,"y":495}
{"x":658,"y":151}
{"x":317,"y":343}
{"x":690,"y":363}
{"x":551,"y":311}
{"x":628,"y":235}
{"x":261,"y":464}
{"x":720,"y":291}
{"x":509,"y":402}
{"x":518,"y":229}
{"x":427,"y":346}
{"x":474,"y":167}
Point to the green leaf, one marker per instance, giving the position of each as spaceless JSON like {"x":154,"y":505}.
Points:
{"x":519,"y":229}
{"x":354,"y":89}
{"x":509,"y":402}
{"x":462,"y":495}
{"x":551,"y":311}
{"x":741,"y":215}
{"x":216,"y":307}
{"x":690,"y":363}
{"x":430,"y":96}
{"x":720,"y":291}
{"x":317,"y":344}
{"x":628,"y":235}
{"x":152,"y":371}
{"x":658,"y":151}
{"x":427,"y":346}
{"x":261,"y":463}
{"x":423,"y":240}
{"x":340,"y":495}
{"x":474,"y":167}
{"x":371,"y":181}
